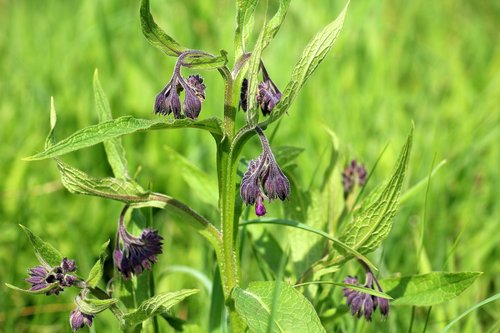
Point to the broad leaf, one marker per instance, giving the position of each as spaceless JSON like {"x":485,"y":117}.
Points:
{"x":313,"y":54}
{"x":156,"y":305}
{"x":111,"y":129}
{"x":94,"y":306}
{"x":155,"y":35}
{"x":428,"y":289}
{"x":95,"y":274}
{"x":205,"y":61}
{"x":244,"y":21}
{"x":113,"y":147}
{"x":32,"y":292}
{"x":45,"y":252}
{"x":275,"y":307}
{"x":373,"y":221}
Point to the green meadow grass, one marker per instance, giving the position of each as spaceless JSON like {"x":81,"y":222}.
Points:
{"x":434,"y":63}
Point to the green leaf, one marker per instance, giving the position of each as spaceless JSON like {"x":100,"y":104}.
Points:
{"x":274,"y":24}
{"x":93,"y":305}
{"x":313,"y":54}
{"x":291,"y":312}
{"x":203,"y":186}
{"x":428,"y":289}
{"x":32,"y":292}
{"x":111,"y":129}
{"x":95,"y":274}
{"x":113,"y":147}
{"x":244,"y":20}
{"x":156,"y":305}
{"x":50,"y":140}
{"x":373,"y":221}
{"x":45,"y":252}
{"x":155,"y":35}
{"x":350,"y":286}
{"x":253,"y":80}
{"x":205,"y":61}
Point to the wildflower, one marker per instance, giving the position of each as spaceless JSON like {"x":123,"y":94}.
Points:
{"x":137,"y":253}
{"x":168,"y":100}
{"x":52,"y":279}
{"x":244,"y":94}
{"x":353,"y":174}
{"x":362,"y":303}
{"x":263,"y":179}
{"x":268,"y":94}
{"x":194,"y":96}
{"x":78,"y":319}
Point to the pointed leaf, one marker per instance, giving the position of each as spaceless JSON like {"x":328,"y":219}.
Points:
{"x":313,"y":54}
{"x":253,"y":80}
{"x":286,"y":155}
{"x":28,"y":291}
{"x":94,"y":306}
{"x":373,"y":221}
{"x":50,"y":140}
{"x":45,"y":252}
{"x":111,"y":129}
{"x":244,"y":20}
{"x":205,"y":61}
{"x":155,"y":35}
{"x":291,"y":312}
{"x":428,"y":289}
{"x":95,"y":274}
{"x":156,"y":305}
{"x":113,"y":147}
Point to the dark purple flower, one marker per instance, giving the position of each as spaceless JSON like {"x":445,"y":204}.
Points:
{"x":168,"y":100}
{"x":78,"y":319}
{"x":137,"y":253}
{"x":268,"y":94}
{"x":353,"y":174}
{"x":362,"y":303}
{"x":244,"y":95}
{"x":194,"y":95}
{"x":263,"y":179}
{"x":52,"y":279}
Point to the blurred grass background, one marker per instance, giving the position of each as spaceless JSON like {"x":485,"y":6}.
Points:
{"x":434,"y":63}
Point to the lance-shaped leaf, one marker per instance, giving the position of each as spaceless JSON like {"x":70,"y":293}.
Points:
{"x":113,"y":147}
{"x":29,"y":291}
{"x":428,"y":289}
{"x":111,"y":129}
{"x":313,"y":54}
{"x":155,"y":35}
{"x":156,"y":305}
{"x":45,"y":252}
{"x":95,"y":274}
{"x":275,"y":307}
{"x":94,"y":306}
{"x":373,"y":221}
{"x":205,"y":61}
{"x":244,"y":24}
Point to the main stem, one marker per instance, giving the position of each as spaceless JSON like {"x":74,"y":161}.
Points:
{"x":228,"y":259}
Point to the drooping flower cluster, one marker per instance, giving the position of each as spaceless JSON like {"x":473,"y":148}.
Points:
{"x":362,"y":303}
{"x":353,"y":174}
{"x":263,"y":179}
{"x":137,"y":253}
{"x":52,"y":279}
{"x":168,"y":100}
{"x":268,"y":94}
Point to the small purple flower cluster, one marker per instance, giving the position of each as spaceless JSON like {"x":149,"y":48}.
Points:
{"x":137,"y":253}
{"x":268,"y":94}
{"x":78,"y":319}
{"x":353,"y":174}
{"x":52,"y":279}
{"x":362,"y":303}
{"x":263,"y":179}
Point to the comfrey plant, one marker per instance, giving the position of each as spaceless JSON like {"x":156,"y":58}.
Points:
{"x":322,"y":228}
